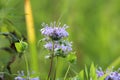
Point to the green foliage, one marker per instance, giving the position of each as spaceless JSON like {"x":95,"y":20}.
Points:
{"x":4,"y":59}
{"x":103,"y":77}
{"x":71,"y":57}
{"x":80,"y":76}
{"x":92,"y":72}
{"x":21,"y":46}
{"x":115,"y":63}
{"x":87,"y":74}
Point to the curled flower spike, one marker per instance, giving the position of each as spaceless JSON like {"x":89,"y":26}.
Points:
{"x":55,"y":32}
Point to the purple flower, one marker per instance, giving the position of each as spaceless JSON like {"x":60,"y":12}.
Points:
{"x":19,"y":78}
{"x":37,"y":78}
{"x":49,"y":45}
{"x":54,"y":32}
{"x":107,"y":78}
{"x":112,"y":75}
{"x":63,"y":47}
{"x":99,"y":72}
{"x":59,"y":47}
{"x":66,"y":48}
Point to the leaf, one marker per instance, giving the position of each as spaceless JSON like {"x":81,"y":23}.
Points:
{"x":18,"y":47}
{"x":86,"y":72}
{"x":103,"y":77}
{"x":24,"y":45}
{"x":93,"y":74}
{"x":21,"y":46}
{"x":71,"y":58}
{"x":115,"y":63}
{"x":81,"y":75}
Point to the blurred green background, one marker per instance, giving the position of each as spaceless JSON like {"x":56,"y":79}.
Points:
{"x":94,"y":30}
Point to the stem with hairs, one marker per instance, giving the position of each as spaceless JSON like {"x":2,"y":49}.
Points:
{"x":54,"y":77}
{"x":51,"y":63}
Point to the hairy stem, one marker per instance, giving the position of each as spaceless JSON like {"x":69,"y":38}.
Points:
{"x":55,"y":69}
{"x":51,"y":63}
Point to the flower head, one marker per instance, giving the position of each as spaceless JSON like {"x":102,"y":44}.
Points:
{"x":37,"y":78}
{"x":62,"y":48}
{"x":19,"y":78}
{"x":55,"y":32}
{"x":99,"y":72}
{"x":112,"y":75}
{"x":54,"y":38}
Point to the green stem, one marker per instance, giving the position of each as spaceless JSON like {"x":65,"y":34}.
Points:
{"x":26,"y":63}
{"x":67,"y":72}
{"x":55,"y":68}
{"x":115,"y":63}
{"x":31,"y":37}
{"x":51,"y":63}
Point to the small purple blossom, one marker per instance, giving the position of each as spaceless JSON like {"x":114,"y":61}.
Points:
{"x":19,"y":78}
{"x":57,"y":45}
{"x":64,"y":48}
{"x":54,"y":32}
{"x":99,"y":72}
{"x":37,"y":78}
{"x":49,"y":45}
{"x":112,"y":75}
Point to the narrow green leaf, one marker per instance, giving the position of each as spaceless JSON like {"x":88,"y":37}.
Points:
{"x":115,"y":63}
{"x":93,"y":74}
{"x":81,"y":75}
{"x":86,"y":72}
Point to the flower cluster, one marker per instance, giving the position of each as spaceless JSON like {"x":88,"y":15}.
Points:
{"x":60,"y":48}
{"x":54,"y":35}
{"x":111,"y":75}
{"x":54,"y":32}
{"x":21,"y":76}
